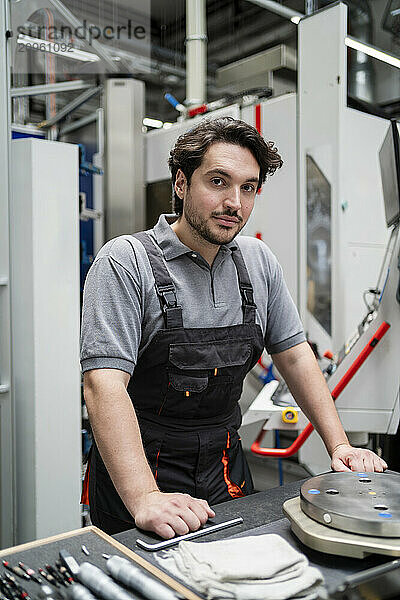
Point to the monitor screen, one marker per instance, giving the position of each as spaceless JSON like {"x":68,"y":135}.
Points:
{"x":389,"y":158}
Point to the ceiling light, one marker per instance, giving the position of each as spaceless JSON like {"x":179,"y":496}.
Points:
{"x":58,"y":48}
{"x":152,"y":123}
{"x":374,"y":52}
{"x":167,"y":125}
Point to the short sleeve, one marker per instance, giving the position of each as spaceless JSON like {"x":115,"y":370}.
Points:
{"x":284,"y":328}
{"x":111,"y":316}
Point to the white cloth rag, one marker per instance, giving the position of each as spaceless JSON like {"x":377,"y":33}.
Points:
{"x":261,"y":567}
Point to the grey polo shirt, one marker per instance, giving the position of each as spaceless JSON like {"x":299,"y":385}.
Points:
{"x":121,"y":311}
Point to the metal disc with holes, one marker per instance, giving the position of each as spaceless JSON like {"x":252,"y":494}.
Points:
{"x":363,"y":503}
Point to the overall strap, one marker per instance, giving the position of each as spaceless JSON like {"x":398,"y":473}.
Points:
{"x":246,"y":289}
{"x":165,"y":288}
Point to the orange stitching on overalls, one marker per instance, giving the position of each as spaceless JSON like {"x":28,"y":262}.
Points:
{"x":155,"y":475}
{"x":233,"y":490}
{"x":85,"y":487}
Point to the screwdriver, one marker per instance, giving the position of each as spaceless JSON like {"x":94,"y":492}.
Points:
{"x":16,"y":570}
{"x":49,"y":577}
{"x":30,"y":572}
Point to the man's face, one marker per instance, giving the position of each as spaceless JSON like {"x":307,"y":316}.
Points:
{"x":220,"y":198}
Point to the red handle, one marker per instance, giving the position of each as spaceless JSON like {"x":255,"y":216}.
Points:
{"x":351,"y":371}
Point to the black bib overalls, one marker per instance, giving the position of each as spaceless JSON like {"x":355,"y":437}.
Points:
{"x":185,"y":389}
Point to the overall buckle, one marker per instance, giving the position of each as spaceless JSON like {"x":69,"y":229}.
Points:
{"x":168,"y":295}
{"x":247,"y":293}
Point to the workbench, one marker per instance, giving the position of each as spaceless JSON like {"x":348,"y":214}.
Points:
{"x":262,"y":513}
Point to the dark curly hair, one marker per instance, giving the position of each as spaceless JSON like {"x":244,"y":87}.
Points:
{"x":190,"y":148}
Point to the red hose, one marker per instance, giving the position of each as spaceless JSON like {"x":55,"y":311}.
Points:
{"x":351,"y":371}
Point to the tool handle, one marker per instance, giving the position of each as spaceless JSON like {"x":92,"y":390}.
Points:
{"x":133,"y":577}
{"x":101,"y":584}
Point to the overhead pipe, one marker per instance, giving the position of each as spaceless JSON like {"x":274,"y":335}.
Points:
{"x":196,"y":52}
{"x":44,"y":89}
{"x":279,"y":9}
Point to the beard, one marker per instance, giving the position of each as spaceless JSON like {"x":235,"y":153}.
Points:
{"x":207,"y":229}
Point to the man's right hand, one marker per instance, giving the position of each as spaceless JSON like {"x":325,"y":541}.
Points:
{"x":171,"y":514}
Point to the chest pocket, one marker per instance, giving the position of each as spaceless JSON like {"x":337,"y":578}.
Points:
{"x":210,"y":355}
{"x":205,"y":379}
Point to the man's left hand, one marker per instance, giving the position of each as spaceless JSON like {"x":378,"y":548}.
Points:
{"x":347,"y":458}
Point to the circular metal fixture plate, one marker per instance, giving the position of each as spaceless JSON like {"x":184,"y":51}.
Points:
{"x":363,"y":503}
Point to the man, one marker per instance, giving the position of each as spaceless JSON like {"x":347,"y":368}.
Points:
{"x":173,"y":319}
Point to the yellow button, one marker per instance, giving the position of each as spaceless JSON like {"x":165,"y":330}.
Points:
{"x":290,"y":415}
{"x":372,"y":493}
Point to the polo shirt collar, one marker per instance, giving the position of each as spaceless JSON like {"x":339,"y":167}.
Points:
{"x":169,"y":242}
